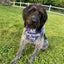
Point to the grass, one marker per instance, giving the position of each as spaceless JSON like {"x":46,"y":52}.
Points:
{"x":11,"y":27}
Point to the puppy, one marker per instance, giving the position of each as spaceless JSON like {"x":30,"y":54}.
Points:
{"x":34,"y":17}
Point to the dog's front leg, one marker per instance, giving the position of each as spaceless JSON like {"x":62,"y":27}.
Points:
{"x":37,"y":48}
{"x":19,"y":52}
{"x":22,"y":46}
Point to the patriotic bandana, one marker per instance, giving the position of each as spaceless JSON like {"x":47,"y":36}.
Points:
{"x":32,"y":34}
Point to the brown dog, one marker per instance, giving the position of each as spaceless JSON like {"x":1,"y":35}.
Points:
{"x":34,"y":17}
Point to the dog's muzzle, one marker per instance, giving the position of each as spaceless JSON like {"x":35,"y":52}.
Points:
{"x":34,"y":19}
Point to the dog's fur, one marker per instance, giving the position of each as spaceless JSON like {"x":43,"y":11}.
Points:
{"x":34,"y":16}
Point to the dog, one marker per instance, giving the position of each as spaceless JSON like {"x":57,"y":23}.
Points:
{"x":35,"y":16}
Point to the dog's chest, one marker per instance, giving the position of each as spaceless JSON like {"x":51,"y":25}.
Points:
{"x":32,"y":35}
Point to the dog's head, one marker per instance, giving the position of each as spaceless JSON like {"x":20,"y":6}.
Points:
{"x":34,"y":16}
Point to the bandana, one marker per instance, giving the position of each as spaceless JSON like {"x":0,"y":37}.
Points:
{"x":32,"y":34}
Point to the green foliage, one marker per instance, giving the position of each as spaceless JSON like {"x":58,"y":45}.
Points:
{"x":11,"y":27}
{"x":59,"y":3}
{"x":18,"y":0}
{"x":13,"y":0}
{"x":54,"y":2}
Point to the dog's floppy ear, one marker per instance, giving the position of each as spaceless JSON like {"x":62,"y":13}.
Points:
{"x":26,"y":13}
{"x":43,"y":14}
{"x":43,"y":17}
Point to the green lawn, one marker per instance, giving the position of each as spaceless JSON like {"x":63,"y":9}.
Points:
{"x":11,"y":27}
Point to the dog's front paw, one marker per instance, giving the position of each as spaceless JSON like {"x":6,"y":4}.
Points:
{"x":28,"y":62}
{"x":13,"y":62}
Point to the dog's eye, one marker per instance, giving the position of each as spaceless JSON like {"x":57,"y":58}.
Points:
{"x":39,"y":15}
{"x":34,"y":9}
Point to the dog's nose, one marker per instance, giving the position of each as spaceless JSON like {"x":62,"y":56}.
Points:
{"x":34,"y":20}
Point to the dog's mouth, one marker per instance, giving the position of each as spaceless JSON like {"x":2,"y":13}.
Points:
{"x":34,"y":25}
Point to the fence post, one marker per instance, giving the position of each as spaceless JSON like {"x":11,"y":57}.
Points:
{"x":50,"y":8}
{"x":13,"y":3}
{"x":9,"y":2}
{"x":20,"y":4}
{"x":28,"y":3}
